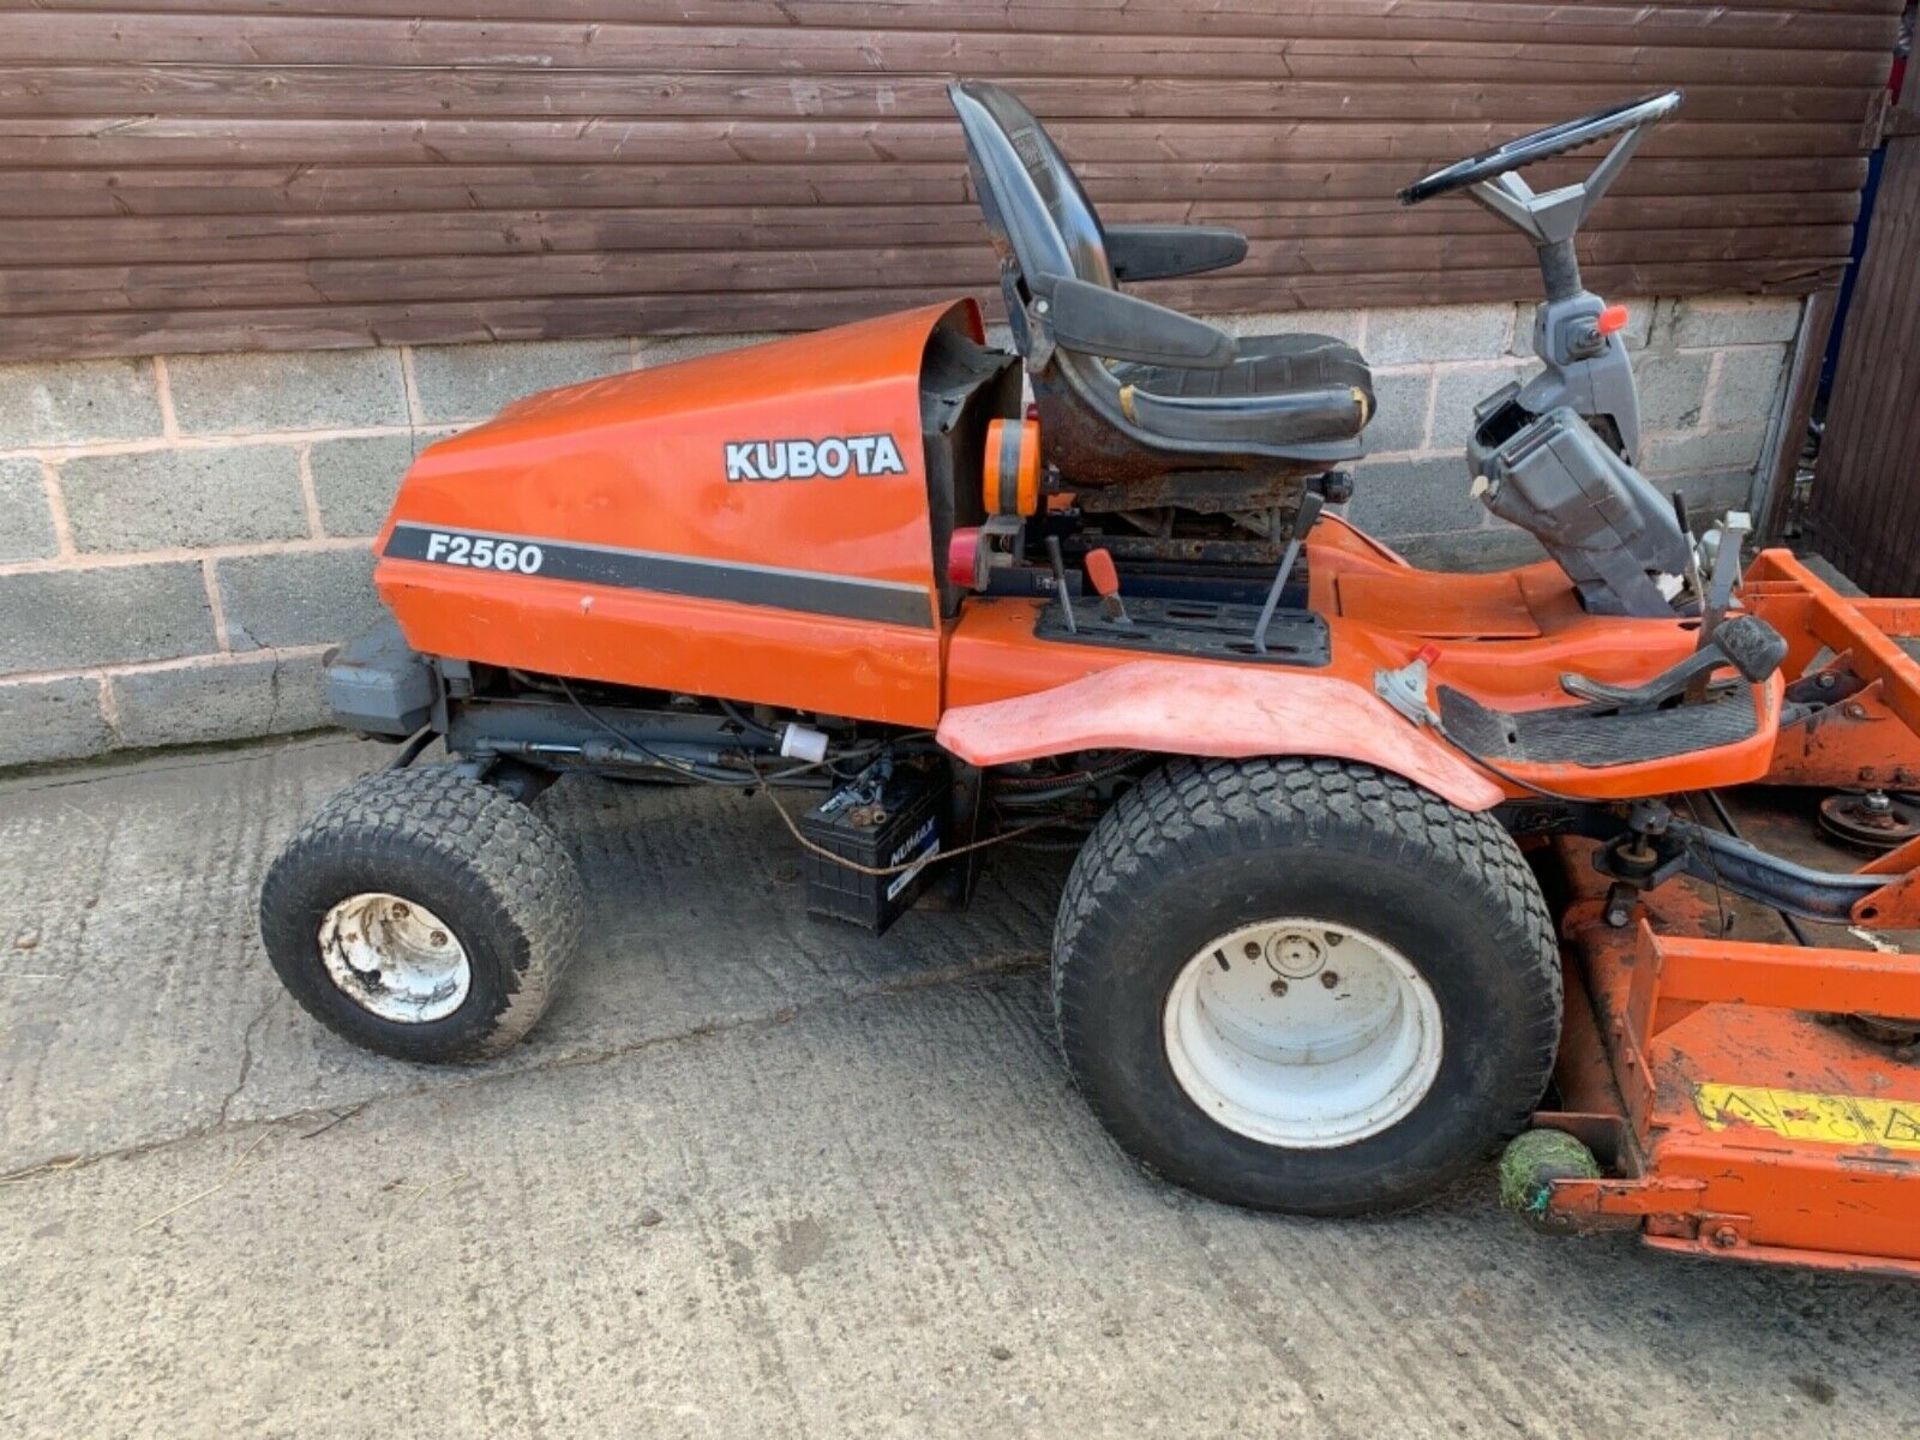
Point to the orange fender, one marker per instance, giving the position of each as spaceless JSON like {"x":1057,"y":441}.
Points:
{"x":1216,"y":712}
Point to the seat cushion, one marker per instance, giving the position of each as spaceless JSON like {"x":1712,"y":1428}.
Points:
{"x":1282,"y":389}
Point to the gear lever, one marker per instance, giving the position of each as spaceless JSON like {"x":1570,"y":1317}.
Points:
{"x":1311,"y":504}
{"x":1060,"y":583}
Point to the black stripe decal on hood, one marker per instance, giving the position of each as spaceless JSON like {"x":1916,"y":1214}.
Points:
{"x":885,"y":602}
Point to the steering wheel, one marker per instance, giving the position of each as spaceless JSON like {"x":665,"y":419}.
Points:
{"x":1554,"y":140}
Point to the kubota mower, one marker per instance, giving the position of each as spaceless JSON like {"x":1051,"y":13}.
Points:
{"x":1306,"y":958}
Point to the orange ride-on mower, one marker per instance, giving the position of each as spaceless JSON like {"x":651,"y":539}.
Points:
{"x":1306,"y":958}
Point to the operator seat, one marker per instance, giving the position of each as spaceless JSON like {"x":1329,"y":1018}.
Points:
{"x":1129,"y":390}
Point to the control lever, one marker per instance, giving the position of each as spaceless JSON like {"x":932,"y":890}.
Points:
{"x":1733,"y":531}
{"x":1746,"y":642}
{"x":1694,"y":582}
{"x":1106,"y":581}
{"x":1060,"y":583}
{"x":1311,"y":504}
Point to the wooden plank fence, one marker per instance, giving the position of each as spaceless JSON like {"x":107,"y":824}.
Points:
{"x":241,"y":174}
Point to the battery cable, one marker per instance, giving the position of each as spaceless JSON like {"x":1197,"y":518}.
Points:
{"x":881,"y":871}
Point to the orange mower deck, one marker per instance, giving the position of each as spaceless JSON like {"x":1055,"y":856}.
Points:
{"x":1741,"y":1112}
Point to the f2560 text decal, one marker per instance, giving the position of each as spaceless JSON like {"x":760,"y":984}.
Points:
{"x":549,"y":558}
{"x":484,"y":554}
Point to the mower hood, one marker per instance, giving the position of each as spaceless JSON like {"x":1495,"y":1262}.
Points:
{"x":776,"y":484}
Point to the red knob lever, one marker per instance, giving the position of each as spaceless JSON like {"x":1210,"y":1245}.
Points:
{"x":1106,"y":580}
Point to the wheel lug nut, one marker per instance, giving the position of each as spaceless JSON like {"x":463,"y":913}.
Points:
{"x":439,"y":937}
{"x":1329,"y":979}
{"x":400,"y":912}
{"x":1252,"y":948}
{"x":1279,"y":987}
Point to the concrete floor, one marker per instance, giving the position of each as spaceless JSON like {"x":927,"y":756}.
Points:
{"x":752,"y":1176}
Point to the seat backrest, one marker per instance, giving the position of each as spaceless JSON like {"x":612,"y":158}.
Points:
{"x":1041,"y":220}
{"x":1042,"y":224}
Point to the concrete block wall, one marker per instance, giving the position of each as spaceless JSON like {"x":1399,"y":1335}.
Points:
{"x":181,"y":538}
{"x":1711,"y":374}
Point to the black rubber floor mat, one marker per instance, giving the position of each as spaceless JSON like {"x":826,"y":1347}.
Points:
{"x":1592,"y":736}
{"x":1193,"y":627}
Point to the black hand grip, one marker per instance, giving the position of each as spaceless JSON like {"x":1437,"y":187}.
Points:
{"x":1751,"y":645}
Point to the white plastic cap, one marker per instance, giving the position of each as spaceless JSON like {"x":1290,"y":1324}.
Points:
{"x":803,"y":742}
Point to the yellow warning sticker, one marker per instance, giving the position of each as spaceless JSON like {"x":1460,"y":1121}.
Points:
{"x":1797,"y":1115}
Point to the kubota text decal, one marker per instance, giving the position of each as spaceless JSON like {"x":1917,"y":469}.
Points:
{"x":828,"y":459}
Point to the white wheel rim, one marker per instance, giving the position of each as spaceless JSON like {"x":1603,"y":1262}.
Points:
{"x":1300,"y":1033}
{"x":394,"y":958}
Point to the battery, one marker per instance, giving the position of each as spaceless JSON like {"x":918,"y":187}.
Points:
{"x":890,"y":815}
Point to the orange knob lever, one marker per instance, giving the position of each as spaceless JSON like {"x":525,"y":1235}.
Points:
{"x":1106,"y":580}
{"x":1100,"y":571}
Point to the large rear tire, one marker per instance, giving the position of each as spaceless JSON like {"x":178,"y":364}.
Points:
{"x":423,"y":914}
{"x":1304,"y":985}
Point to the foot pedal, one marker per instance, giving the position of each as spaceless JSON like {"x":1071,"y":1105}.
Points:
{"x":1747,"y":643}
{"x":1594,"y":737}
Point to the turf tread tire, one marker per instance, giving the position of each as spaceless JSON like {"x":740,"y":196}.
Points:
{"x":516,"y":891}
{"x":1190,"y":813}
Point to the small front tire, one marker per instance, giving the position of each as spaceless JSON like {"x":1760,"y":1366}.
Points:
{"x":423,"y":914}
